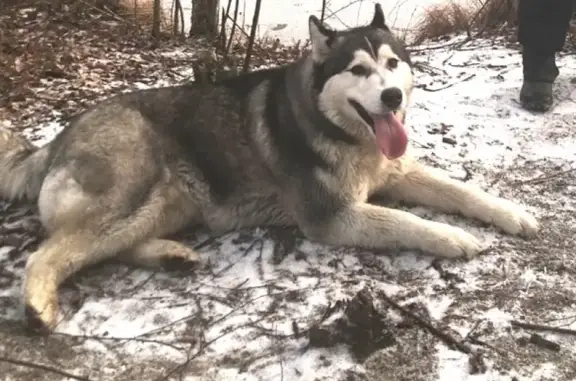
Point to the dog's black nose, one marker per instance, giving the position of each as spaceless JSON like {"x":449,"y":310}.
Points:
{"x":392,"y":97}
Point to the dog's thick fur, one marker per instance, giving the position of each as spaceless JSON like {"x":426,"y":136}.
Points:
{"x":275,"y":147}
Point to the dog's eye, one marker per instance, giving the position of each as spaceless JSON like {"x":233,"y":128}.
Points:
{"x":360,"y":70}
{"x":392,"y":63}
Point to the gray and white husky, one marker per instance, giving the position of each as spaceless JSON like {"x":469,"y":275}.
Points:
{"x":302,"y":145}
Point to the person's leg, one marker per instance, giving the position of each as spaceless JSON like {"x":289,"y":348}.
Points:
{"x":542,"y":29}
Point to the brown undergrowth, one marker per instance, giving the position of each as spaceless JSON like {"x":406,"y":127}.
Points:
{"x":457,"y":17}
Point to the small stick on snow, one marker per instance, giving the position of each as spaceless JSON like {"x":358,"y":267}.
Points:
{"x":448,"y":339}
{"x":45,"y":368}
{"x":542,"y":327}
{"x":541,"y":179}
{"x":426,"y":88}
{"x":538,"y":340}
{"x":452,"y":45}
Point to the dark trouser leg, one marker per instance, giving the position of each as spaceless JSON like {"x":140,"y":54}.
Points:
{"x":542,"y":29}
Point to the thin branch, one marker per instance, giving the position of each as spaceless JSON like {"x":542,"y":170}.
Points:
{"x":538,"y":340}
{"x":199,"y":351}
{"x":426,"y":88}
{"x":225,"y":15}
{"x":451,"y":45}
{"x":343,"y":8}
{"x":45,"y":368}
{"x":108,"y":12}
{"x":323,"y":11}
{"x":477,"y":13}
{"x":252,"y":35}
{"x":123,"y":339}
{"x":542,"y":327}
{"x":262,"y":50}
{"x":234,"y":24}
{"x":541,"y":179}
{"x":221,"y":318}
{"x":445,"y":337}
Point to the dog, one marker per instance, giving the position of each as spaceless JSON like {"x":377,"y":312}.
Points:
{"x":303,"y":145}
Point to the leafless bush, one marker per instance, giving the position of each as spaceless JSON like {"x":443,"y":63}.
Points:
{"x":458,"y":17}
{"x":141,"y":13}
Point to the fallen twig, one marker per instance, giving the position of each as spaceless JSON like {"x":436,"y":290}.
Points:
{"x":429,"y":69}
{"x":297,"y":332}
{"x":482,"y":343}
{"x":452,"y":45}
{"x":447,"y":338}
{"x":543,"y":327}
{"x":426,"y":88}
{"x":203,"y":346}
{"x":542,"y":179}
{"x":122,"y":339}
{"x":538,"y":340}
{"x":45,"y":368}
{"x":216,"y":321}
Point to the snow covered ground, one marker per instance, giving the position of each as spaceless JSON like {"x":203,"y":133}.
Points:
{"x":249,"y":313}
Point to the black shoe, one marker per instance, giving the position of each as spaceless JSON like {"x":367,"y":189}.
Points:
{"x":536,"y":96}
{"x":540,"y":72}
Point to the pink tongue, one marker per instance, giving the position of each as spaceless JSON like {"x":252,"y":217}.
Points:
{"x":391,"y":136}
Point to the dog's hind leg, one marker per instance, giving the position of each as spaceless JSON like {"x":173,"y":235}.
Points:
{"x":432,"y":187}
{"x":86,"y":230}
{"x":58,"y":257}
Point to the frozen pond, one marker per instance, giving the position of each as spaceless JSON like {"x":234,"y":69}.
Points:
{"x":287,"y":19}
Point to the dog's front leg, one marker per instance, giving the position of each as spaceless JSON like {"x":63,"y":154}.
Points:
{"x":372,"y":226}
{"x":433,"y":187}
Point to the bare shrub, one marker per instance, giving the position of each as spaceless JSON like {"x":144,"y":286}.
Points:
{"x":141,"y":13}
{"x":441,"y":19}
{"x":457,"y":17}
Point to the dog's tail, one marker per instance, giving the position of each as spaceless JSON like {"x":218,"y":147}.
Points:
{"x":22,"y":167}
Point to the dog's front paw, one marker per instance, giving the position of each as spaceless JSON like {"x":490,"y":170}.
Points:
{"x":513,"y":219}
{"x":451,"y":242}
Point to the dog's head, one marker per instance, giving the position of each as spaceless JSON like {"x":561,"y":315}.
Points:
{"x":363,"y":80}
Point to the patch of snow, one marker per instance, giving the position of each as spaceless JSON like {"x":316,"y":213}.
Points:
{"x":499,"y":318}
{"x":437,"y":307}
{"x":43,"y":133}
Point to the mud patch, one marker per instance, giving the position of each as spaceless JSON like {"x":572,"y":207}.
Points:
{"x":361,"y":327}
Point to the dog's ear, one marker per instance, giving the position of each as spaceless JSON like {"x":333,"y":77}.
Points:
{"x":321,"y":38}
{"x":379,"y":21}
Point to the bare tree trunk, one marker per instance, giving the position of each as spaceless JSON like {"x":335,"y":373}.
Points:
{"x":234,"y":22}
{"x":178,"y":22}
{"x":204,"y":20}
{"x":223,"y":21}
{"x":252,"y":35}
{"x":156,"y":19}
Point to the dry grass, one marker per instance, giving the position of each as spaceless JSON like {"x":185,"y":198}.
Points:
{"x":458,"y":17}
